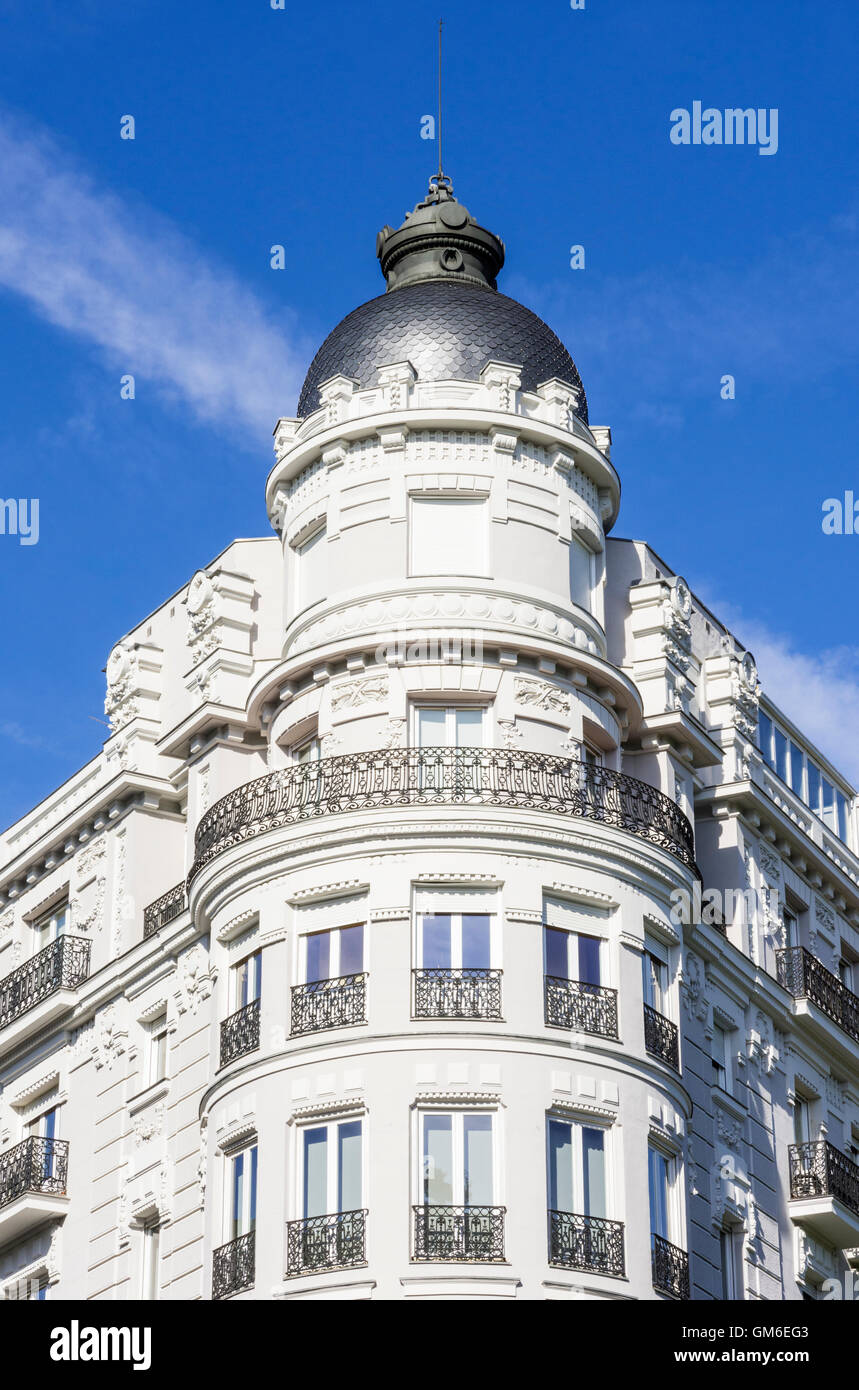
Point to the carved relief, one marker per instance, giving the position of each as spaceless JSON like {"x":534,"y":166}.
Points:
{"x":367,"y":690}
{"x":203,"y":613}
{"x":196,"y":979}
{"x":541,"y":695}
{"x":120,"y":704}
{"x":111,"y":1038}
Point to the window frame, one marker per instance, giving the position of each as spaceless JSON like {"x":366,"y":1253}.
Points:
{"x":331,"y":1124}
{"x":242,"y":1223}
{"x":580,"y":1123}
{"x":456,"y":936}
{"x":333,"y":955}
{"x":457,"y":1116}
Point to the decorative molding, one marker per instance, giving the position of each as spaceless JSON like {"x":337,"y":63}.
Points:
{"x":237,"y":925}
{"x":195,"y":979}
{"x":586,"y":897}
{"x":541,"y":695}
{"x":427,"y":1099}
{"x":365,"y":690}
{"x":343,"y":888}
{"x":325,"y":1109}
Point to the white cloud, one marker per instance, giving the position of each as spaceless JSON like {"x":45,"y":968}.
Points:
{"x":122,"y":278}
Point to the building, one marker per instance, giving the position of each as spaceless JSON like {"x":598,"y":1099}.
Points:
{"x":448,"y":914}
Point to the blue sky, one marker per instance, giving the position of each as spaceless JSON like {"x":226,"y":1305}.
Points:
{"x":302,"y":127}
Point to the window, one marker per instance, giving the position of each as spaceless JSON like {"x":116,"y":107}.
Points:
{"x":332,"y":1169}
{"x":311,"y":569}
{"x":572,"y":955}
{"x":247,"y":978}
{"x":731,"y":1263}
{"x":582,"y":573}
{"x":721,"y":1056}
{"x":308,"y":752}
{"x":796,"y":769}
{"x":51,"y":926}
{"x":45,"y":1127}
{"x":333,"y":954}
{"x":243,"y":1193}
{"x":449,"y":535}
{"x":577,"y":1168}
{"x":440,"y":726}
{"x":457,"y":1159}
{"x":801,"y":1121}
{"x":791,"y":928}
{"x":157,"y":1062}
{"x":655,"y":981}
{"x":661,"y":1172}
{"x":151,"y":1254}
{"x":455,"y":941}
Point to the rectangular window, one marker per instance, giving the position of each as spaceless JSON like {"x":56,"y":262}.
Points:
{"x":247,"y":977}
{"x":449,"y":535}
{"x":332,"y":1167}
{"x":731,"y":1261}
{"x":439,"y":726}
{"x":780,"y":753}
{"x":243,"y":1193}
{"x":571,"y":955}
{"x":333,"y":954}
{"x":577,"y":1168}
{"x":661,"y":1171}
{"x":51,"y":926}
{"x":157,"y":1070}
{"x":797,"y":760}
{"x":813,"y":787}
{"x":791,"y":928}
{"x":308,"y":752}
{"x":151,"y":1253}
{"x":828,"y":805}
{"x":455,"y":941}
{"x":458,"y":1165}
{"x":655,"y":982}
{"x":801,"y":1121}
{"x":721,"y":1055}
{"x":843,"y":823}
{"x":765,"y":737}
{"x":311,"y":569}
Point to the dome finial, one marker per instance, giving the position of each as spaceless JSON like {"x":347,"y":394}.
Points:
{"x":439,"y":240}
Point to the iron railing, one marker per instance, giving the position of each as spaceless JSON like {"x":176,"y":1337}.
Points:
{"x":35,"y":1165}
{"x":319,"y":1243}
{"x":670,"y":1267}
{"x":335,"y":1003}
{"x":661,"y":1038}
{"x":396,"y":777}
{"x":164,"y":909}
{"x":233,"y":1266}
{"x":590,"y":1243}
{"x":469,"y":1233}
{"x":240,"y":1033}
{"x":580,"y":1007}
{"x":62,"y":965}
{"x":819,"y":1169}
{"x":804,"y":977}
{"x":468,"y":992}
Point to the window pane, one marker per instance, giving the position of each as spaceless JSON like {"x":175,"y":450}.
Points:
{"x":319,"y":956}
{"x":436,"y":941}
{"x":349,"y":1175}
{"x":438,"y":1160}
{"x":842,"y":817}
{"x":655,"y":979}
{"x":658,"y":1174}
{"x":252,"y":1201}
{"x":560,"y":1166}
{"x":556,"y":952}
{"x":469,"y":728}
{"x":351,"y":950}
{"x":813,"y":786}
{"x":765,"y":734}
{"x":431,"y":728}
{"x":828,"y":804}
{"x":796,"y":769}
{"x":475,"y":941}
{"x":238,"y":1194}
{"x":478,"y":1160}
{"x":589,"y":960}
{"x":593,"y":1171}
{"x":315,"y":1172}
{"x":781,"y":754}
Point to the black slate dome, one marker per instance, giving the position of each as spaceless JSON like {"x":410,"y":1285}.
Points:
{"x":441,"y":311}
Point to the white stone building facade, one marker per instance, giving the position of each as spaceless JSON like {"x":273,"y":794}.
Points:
{"x":356,"y":964}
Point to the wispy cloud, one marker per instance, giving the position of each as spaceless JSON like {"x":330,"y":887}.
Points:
{"x":819,"y":692}
{"x":124,"y":279}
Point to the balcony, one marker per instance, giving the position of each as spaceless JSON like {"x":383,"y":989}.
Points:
{"x":233,"y":1266}
{"x":164,"y":909}
{"x":338,"y":1003}
{"x":321,"y":1243}
{"x":592,"y":1244}
{"x":469,"y":1234}
{"x":457,"y":993}
{"x":33,"y":1179}
{"x":390,"y":779}
{"x":804,"y":977}
{"x":824,"y":1192}
{"x":49,"y":975}
{"x":661,"y":1038}
{"x":579,"y":1007}
{"x":240,"y":1033}
{"x":670,"y":1267}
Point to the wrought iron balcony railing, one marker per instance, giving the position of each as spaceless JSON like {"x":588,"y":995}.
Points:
{"x":62,"y":965}
{"x":36,"y":1165}
{"x":329,"y":1004}
{"x":670,"y":1267}
{"x":319,"y":1243}
{"x":455,"y":1234}
{"x":819,"y":1169}
{"x":164,"y":909}
{"x":457,"y":993}
{"x":393,"y":778}
{"x":661,"y":1037}
{"x":590,"y":1243}
{"x":580,"y":1007}
{"x":240,"y":1033}
{"x":233,"y":1266}
{"x":804,"y":977}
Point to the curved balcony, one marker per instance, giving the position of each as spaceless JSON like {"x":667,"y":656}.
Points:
{"x":390,"y":779}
